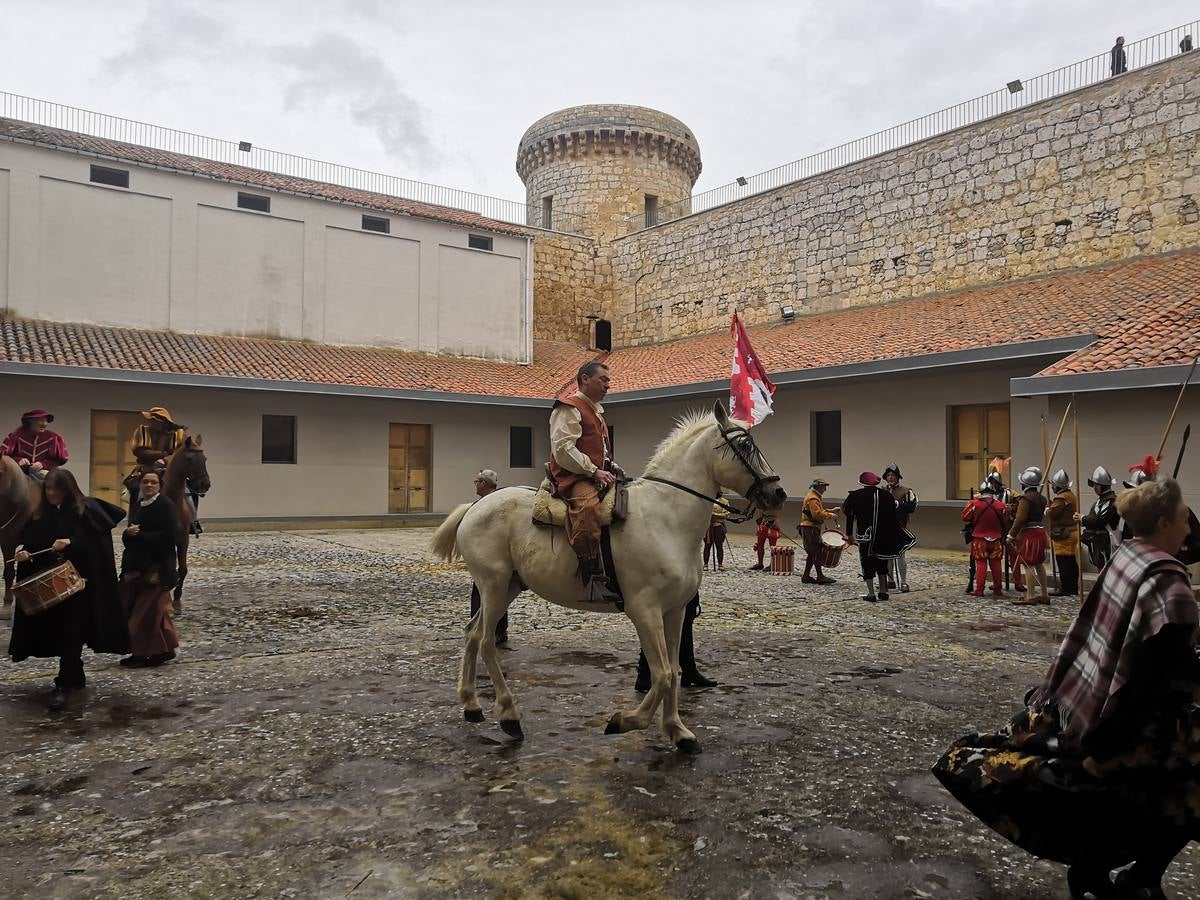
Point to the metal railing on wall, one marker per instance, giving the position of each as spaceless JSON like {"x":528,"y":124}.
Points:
{"x":1011,"y":97}
{"x":171,"y":140}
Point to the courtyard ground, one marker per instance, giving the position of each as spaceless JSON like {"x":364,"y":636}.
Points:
{"x":307,"y":743}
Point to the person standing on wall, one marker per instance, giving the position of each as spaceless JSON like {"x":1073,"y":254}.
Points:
{"x":486,"y":482}
{"x":1117,"y":61}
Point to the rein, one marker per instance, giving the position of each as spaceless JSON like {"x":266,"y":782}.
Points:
{"x":714,"y":500}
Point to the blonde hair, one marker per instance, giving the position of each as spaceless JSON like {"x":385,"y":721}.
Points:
{"x":1141,"y":507}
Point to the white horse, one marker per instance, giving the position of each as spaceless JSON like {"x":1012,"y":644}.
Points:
{"x":656,"y":553}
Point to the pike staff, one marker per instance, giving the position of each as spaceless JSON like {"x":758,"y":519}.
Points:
{"x":1079,"y":543}
{"x":1174,"y":411}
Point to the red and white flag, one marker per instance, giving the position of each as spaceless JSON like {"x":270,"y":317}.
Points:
{"x":750,"y":389}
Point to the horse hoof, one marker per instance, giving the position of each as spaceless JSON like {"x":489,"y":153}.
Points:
{"x":688,"y":745}
{"x":512,"y":727}
{"x":614,"y":724}
{"x":473,"y":715}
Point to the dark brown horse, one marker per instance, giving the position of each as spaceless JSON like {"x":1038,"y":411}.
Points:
{"x":20,"y":497}
{"x":186,"y":473}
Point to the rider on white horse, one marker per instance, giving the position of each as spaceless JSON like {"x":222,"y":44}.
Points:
{"x":581,"y":467}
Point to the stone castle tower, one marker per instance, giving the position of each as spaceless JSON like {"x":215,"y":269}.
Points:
{"x":601,"y":166}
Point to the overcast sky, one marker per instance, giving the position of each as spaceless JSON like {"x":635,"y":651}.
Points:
{"x":441,"y":90}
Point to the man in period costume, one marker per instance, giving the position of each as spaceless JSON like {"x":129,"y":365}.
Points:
{"x":768,"y":533}
{"x":486,"y":482}
{"x":580,"y":468}
{"x":1064,"y":533}
{"x":715,"y":537}
{"x":34,"y":446}
{"x":812,"y":518}
{"x":873,"y":522}
{"x":986,"y":518}
{"x":1028,"y":535}
{"x":153,"y":443}
{"x":906,"y":505}
{"x":1102,"y":524}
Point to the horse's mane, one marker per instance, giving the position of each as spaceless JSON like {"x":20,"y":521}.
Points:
{"x":687,"y":426}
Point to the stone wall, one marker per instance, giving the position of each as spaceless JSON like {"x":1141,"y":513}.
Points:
{"x":571,"y":280}
{"x":599,"y":162}
{"x":1105,"y":173}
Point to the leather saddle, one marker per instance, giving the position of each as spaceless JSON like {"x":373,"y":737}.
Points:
{"x":551,"y":511}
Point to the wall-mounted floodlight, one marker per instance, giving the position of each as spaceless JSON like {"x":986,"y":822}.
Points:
{"x":787,"y":313}
{"x":245,"y":146}
{"x":742,"y":182}
{"x":1015,"y":87}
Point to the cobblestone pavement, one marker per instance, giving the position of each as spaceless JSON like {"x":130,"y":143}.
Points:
{"x":308,"y":743}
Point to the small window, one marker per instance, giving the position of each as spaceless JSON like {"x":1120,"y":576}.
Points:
{"x":254,"y":201}
{"x":279,"y":439}
{"x":651,"y":210}
{"x":548,"y":212}
{"x":826,"y":432}
{"x":479,"y":242}
{"x":604,"y":335}
{"x":520,"y":447}
{"x":114,"y":177}
{"x":375,"y":223}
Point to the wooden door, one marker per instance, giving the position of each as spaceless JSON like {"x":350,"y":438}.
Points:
{"x":112,"y":453}
{"x":981,"y":433}
{"x":408,"y":468}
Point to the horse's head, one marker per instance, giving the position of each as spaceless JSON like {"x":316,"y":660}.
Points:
{"x":739,"y":463}
{"x":195,"y":464}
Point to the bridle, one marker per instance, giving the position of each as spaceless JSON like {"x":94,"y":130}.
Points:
{"x":739,"y":442}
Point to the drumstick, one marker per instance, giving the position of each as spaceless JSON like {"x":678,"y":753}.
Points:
{"x":31,"y":555}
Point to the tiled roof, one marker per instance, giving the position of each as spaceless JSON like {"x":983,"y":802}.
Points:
{"x":178,"y":162}
{"x":52,"y":343}
{"x":1144,"y":313}
{"x":1167,"y":337}
{"x":1106,"y":301}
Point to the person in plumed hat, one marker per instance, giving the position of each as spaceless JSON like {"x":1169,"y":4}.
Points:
{"x":873,"y":522}
{"x":153,"y":443}
{"x":34,"y":446}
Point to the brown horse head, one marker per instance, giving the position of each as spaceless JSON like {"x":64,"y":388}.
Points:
{"x":187,"y":468}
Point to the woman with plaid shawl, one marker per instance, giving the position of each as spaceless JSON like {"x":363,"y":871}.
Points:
{"x":1102,"y":768}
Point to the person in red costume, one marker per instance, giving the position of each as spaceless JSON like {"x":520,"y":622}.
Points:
{"x":768,"y":531}
{"x":34,"y":446}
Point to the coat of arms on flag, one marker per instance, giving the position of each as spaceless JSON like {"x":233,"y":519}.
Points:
{"x":750,"y":390}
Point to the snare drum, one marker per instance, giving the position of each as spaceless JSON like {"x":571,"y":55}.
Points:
{"x":832,"y":545}
{"x":40,"y":592}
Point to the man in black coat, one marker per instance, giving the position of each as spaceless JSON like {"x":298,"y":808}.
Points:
{"x":1116,"y":58}
{"x":873,"y":522}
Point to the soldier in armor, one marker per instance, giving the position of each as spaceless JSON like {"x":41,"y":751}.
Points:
{"x":906,"y":505}
{"x":1147,"y":470}
{"x":1028,"y":534}
{"x":768,"y":532}
{"x":986,"y":518}
{"x":1102,"y":525}
{"x":1064,"y":533}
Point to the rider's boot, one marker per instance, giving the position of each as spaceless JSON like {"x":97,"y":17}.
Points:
{"x":596,"y":588}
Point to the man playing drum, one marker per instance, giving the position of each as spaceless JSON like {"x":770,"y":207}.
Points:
{"x":813,"y":516}
{"x":34,"y":446}
{"x":580,"y":468}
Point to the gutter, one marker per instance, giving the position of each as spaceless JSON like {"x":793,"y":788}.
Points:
{"x":226,"y":382}
{"x":1062,"y":346}
{"x":1112,"y":380}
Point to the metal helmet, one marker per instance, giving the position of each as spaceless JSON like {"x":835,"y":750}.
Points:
{"x":1060,"y":480}
{"x":1136,"y":477}
{"x":988,"y":487}
{"x":1030,"y":478}
{"x":1141,"y":472}
{"x":1100,"y":478}
{"x":892,"y":467}
{"x":995,"y":480}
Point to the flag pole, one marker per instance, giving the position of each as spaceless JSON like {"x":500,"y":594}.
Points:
{"x":1178,"y":400}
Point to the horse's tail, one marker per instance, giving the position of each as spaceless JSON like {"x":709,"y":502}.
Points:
{"x":445,"y":540}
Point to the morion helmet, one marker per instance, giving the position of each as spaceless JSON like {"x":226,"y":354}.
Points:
{"x":1100,"y":478}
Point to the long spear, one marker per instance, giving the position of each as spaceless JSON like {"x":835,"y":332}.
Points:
{"x":1058,"y":437}
{"x":1046,"y":488}
{"x":1187,"y":433}
{"x":1078,"y":543}
{"x":1178,"y":401}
